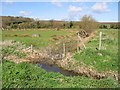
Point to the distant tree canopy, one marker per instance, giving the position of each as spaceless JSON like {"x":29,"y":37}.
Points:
{"x":88,"y":23}
{"x":109,"y":26}
{"x":14,"y":21}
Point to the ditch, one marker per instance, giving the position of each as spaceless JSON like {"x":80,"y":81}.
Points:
{"x":56,"y":69}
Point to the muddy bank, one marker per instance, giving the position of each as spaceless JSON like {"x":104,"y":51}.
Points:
{"x":69,"y":67}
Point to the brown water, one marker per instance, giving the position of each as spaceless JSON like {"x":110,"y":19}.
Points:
{"x":56,"y":69}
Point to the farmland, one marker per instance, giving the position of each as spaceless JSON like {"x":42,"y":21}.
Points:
{"x":44,"y":39}
{"x":104,"y":60}
{"x":59,"y":44}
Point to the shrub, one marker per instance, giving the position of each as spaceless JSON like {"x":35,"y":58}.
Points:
{"x":88,"y":24}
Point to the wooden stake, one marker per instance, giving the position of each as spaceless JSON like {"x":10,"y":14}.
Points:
{"x":100,"y":42}
{"x":31,"y":47}
{"x":64,"y":50}
{"x":78,"y":46}
{"x":81,"y":40}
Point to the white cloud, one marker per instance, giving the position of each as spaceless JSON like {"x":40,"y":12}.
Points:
{"x":34,"y":17}
{"x":63,"y":0}
{"x":100,"y":7}
{"x":74,"y":9}
{"x":9,"y":1}
{"x":80,"y":0}
{"x":74,"y":12}
{"x":25,"y":13}
{"x":57,"y":3}
{"x":95,"y":0}
{"x":77,"y":0}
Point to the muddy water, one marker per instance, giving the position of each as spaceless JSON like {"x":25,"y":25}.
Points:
{"x":56,"y":69}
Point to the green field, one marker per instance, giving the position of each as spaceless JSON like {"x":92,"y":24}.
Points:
{"x":105,"y":59}
{"x":26,"y":75}
{"x":45,"y":38}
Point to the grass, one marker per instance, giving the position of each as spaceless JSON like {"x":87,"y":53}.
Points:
{"x":44,"y":40}
{"x":25,"y":75}
{"x":105,"y":59}
{"x":12,"y":50}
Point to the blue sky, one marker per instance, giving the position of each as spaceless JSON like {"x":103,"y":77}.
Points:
{"x":101,"y":11}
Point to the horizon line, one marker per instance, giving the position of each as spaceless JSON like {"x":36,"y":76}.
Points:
{"x":51,"y":19}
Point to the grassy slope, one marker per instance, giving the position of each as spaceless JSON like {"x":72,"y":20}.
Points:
{"x":25,"y":75}
{"x":109,"y":51}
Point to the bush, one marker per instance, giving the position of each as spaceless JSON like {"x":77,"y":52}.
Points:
{"x":88,"y":24}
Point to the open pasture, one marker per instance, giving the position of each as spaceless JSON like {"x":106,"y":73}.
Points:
{"x":37,"y":38}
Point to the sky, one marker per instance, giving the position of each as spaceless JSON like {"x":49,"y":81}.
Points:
{"x":68,"y":11}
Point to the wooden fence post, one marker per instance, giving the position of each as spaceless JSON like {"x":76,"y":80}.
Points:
{"x":78,"y":46}
{"x":31,"y":47}
{"x":81,"y":40}
{"x":100,"y":42}
{"x":64,"y":54}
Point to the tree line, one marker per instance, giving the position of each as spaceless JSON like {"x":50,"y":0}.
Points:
{"x":10,"y":22}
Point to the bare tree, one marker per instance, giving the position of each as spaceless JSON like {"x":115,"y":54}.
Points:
{"x":88,"y":23}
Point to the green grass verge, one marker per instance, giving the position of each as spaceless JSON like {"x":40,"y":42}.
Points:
{"x":25,"y":75}
{"x":105,"y":59}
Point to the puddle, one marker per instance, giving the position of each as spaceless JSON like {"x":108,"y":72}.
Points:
{"x":56,"y":69}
